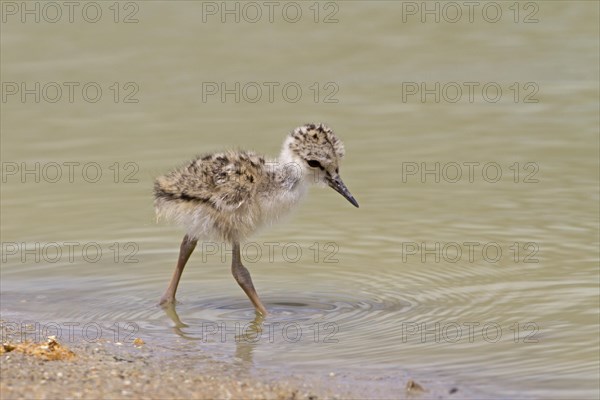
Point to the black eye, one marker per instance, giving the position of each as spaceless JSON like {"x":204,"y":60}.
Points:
{"x":314,"y":164}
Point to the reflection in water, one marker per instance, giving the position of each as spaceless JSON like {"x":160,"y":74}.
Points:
{"x":247,"y":341}
{"x":170,"y":311}
{"x":389,"y":310}
{"x":246,"y":336}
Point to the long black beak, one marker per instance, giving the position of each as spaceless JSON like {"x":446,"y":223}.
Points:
{"x":339,"y":186}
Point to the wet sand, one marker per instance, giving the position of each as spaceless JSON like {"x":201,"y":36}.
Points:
{"x":109,"y":370}
{"x":102,"y":371}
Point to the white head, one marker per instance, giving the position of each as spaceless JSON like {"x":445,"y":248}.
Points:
{"x":317,"y":151}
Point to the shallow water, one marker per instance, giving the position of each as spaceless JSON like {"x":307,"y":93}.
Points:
{"x":370,"y":294}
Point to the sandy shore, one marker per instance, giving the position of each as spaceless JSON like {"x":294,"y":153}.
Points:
{"x":105,"y":370}
{"x":109,"y":370}
{"x":102,"y":371}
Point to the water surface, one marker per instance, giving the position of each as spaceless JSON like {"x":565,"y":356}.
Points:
{"x":378,"y":301}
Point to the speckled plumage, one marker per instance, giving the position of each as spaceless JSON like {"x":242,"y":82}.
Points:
{"x":214,"y":196}
{"x":228,"y":196}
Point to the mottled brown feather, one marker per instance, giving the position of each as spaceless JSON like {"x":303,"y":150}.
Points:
{"x":229,"y":195}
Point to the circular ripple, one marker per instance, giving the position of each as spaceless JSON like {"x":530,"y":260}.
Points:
{"x":352,"y":312}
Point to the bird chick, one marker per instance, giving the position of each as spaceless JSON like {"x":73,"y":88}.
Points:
{"x":228,"y":196}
